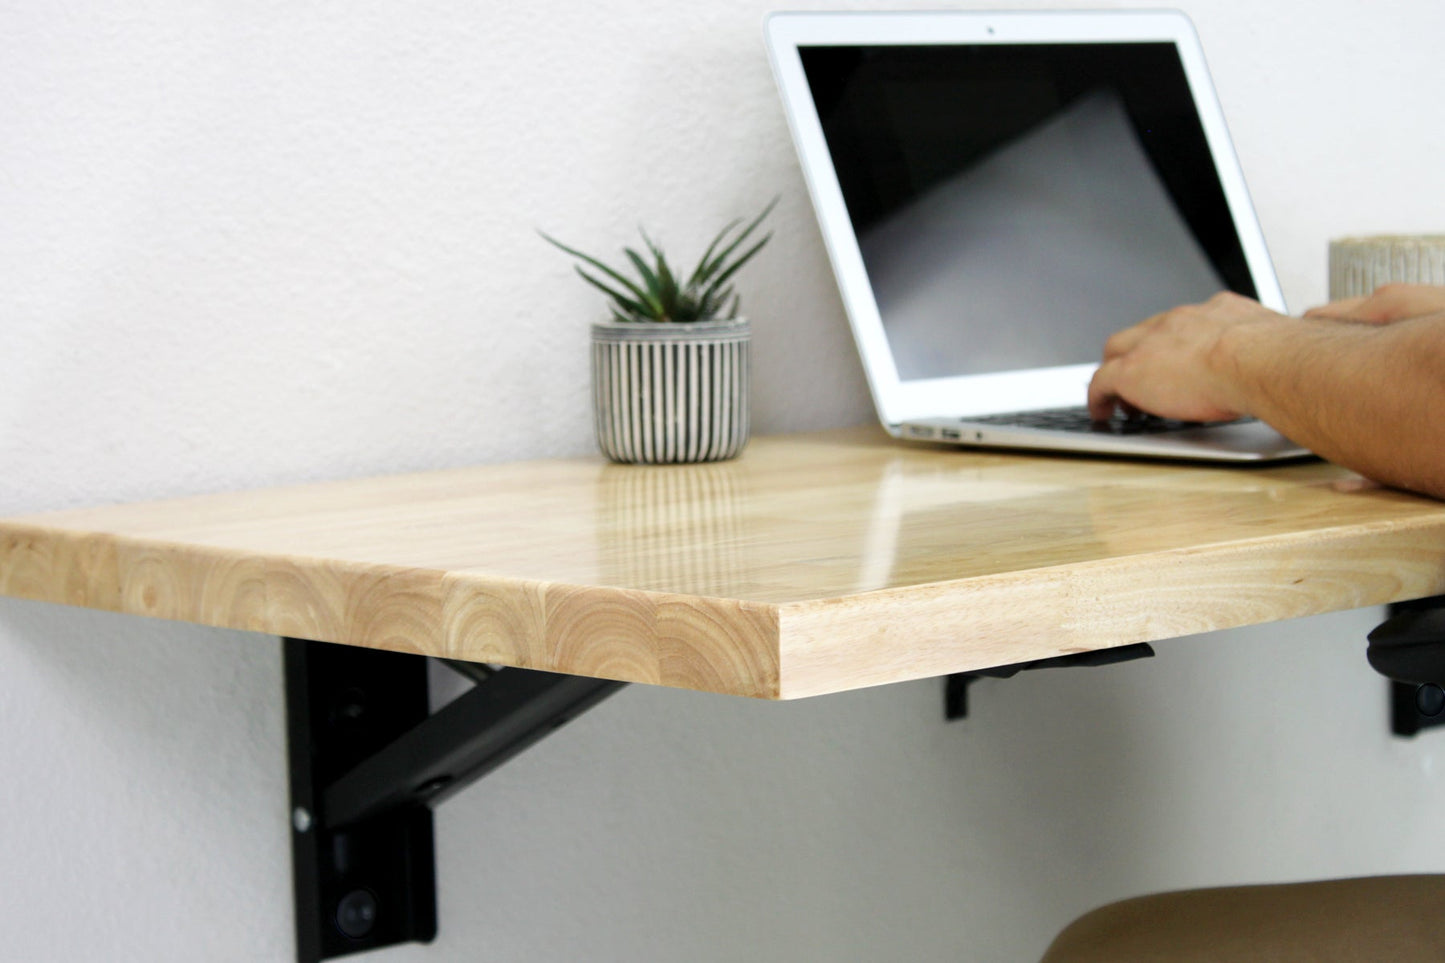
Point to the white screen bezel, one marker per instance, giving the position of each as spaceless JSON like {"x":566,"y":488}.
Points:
{"x":899,"y":401}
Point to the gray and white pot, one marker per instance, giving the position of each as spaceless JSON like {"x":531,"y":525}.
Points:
{"x":667,"y":393}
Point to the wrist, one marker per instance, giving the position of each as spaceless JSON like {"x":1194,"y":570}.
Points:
{"x":1241,"y":357}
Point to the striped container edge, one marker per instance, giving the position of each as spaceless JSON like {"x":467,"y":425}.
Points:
{"x":1358,"y":265}
{"x":671,"y":393}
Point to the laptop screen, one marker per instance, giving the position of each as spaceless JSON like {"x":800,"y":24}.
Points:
{"x":1016,"y":204}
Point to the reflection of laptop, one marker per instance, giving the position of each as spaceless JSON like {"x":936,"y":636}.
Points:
{"x":1001,"y":192}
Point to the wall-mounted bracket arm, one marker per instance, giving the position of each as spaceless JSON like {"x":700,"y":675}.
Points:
{"x":367,"y":762}
{"x":955,"y":686}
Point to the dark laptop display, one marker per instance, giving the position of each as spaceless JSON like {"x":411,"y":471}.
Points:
{"x":1023,"y":182}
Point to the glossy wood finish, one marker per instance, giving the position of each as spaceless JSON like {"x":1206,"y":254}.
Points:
{"x":812,"y":564}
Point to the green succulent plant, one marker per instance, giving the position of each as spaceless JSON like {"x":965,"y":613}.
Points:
{"x":658,"y":294}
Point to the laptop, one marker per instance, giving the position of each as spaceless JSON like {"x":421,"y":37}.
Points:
{"x":1000,"y":192}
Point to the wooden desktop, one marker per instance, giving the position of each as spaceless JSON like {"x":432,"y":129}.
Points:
{"x":813,"y":563}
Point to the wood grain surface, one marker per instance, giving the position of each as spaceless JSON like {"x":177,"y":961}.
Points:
{"x":812,"y":564}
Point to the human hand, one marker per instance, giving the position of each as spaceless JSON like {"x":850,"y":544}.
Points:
{"x":1170,"y":364}
{"x":1388,"y":303}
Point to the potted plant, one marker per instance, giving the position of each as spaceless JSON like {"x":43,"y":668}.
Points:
{"x":670,"y":368}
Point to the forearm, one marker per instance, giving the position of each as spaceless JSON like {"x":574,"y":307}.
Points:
{"x":1369,"y":398}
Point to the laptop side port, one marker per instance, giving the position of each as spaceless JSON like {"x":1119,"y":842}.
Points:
{"x":950,"y":434}
{"x":920,"y":431}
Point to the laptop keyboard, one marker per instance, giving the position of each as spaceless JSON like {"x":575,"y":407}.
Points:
{"x":1078,"y":419}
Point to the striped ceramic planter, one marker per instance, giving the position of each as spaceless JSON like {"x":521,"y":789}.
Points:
{"x":1358,"y":265}
{"x":668,"y":393}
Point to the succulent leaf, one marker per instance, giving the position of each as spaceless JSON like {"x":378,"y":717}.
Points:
{"x":707,"y":269}
{"x":636,"y":291}
{"x":700,"y":273}
{"x":626,"y":302}
{"x":650,"y":285}
{"x":649,"y":277}
{"x":732,"y":269}
{"x":660,"y":296}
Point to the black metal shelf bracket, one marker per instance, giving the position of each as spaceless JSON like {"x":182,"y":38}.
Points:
{"x":1408,"y":648}
{"x":368,"y":761}
{"x":955,"y":685}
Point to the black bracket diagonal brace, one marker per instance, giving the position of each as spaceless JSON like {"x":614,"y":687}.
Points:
{"x":368,"y":760}
{"x":955,"y":686}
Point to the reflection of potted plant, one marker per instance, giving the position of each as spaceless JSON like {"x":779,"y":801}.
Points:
{"x":670,"y":369}
{"x":673,"y":531}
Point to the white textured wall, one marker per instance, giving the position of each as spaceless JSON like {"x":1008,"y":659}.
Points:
{"x":245,"y":244}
